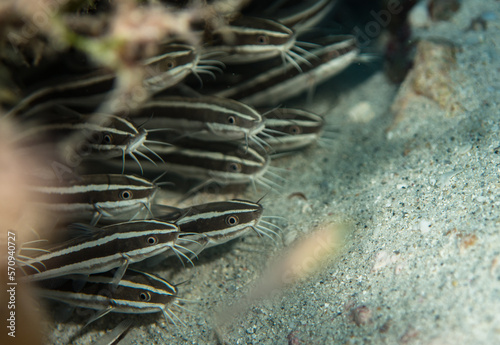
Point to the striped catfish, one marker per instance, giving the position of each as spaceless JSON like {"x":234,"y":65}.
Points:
{"x":137,"y":293}
{"x":204,"y":118}
{"x":171,"y":65}
{"x":114,"y":197}
{"x":88,"y":91}
{"x":303,"y":15}
{"x":216,"y":223}
{"x":99,"y":250}
{"x":251,"y":39}
{"x":95,"y":136}
{"x":274,"y":85}
{"x":224,"y":163}
{"x":290,"y":129}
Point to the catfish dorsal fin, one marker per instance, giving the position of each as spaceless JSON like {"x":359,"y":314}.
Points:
{"x":83,"y":230}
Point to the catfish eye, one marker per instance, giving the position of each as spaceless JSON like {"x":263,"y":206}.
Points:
{"x":262,"y":39}
{"x":108,"y":138}
{"x":152,"y":240}
{"x":231,"y":120}
{"x":234,"y":167}
{"x":294,"y":129}
{"x":232,"y":220}
{"x":126,"y":195}
{"x":332,"y":55}
{"x":169,"y":64}
{"x":145,"y":296}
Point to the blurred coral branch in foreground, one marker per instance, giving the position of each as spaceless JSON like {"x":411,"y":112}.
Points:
{"x":13,"y":232}
{"x":307,"y":256}
{"x":131,"y":31}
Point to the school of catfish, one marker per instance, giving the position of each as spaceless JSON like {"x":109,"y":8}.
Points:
{"x":213,"y":115}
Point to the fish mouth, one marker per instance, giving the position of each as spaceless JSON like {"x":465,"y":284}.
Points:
{"x":257,"y":129}
{"x":136,"y":142}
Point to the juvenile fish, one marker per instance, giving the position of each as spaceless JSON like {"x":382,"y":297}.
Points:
{"x":225,"y":163}
{"x":114,"y":197}
{"x":84,"y":93}
{"x":94,"y":136}
{"x":216,"y":223}
{"x":290,"y":129}
{"x":137,"y":293}
{"x":204,"y":118}
{"x":274,"y":85}
{"x":100,"y":250}
{"x":249,"y":39}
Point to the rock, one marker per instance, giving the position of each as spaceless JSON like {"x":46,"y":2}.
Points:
{"x":430,"y":77}
{"x":443,"y":9}
{"x":419,"y":16}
